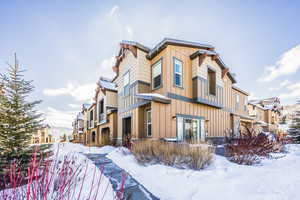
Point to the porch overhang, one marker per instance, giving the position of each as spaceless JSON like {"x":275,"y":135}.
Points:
{"x":154,"y":97}
{"x":261,"y":123}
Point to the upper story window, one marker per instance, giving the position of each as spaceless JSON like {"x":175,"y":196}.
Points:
{"x":212,"y":82}
{"x":156,"y":75}
{"x":237,"y":99}
{"x":246,"y":104}
{"x":178,"y":68}
{"x":126,"y":81}
{"x":101,"y":106}
{"x":92,"y":115}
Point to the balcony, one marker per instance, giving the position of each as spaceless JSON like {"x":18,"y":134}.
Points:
{"x":101,"y":117}
{"x":201,"y":93}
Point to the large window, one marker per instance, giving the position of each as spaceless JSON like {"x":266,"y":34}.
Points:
{"x":149,"y":123}
{"x":190,"y":130}
{"x":156,"y":75}
{"x":126,"y":81}
{"x":212,"y":85}
{"x":177,"y":73}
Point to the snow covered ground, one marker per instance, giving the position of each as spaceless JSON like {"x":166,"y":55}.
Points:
{"x":76,"y":152}
{"x":276,"y":179}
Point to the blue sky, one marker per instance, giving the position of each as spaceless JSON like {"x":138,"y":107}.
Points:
{"x":67,"y":45}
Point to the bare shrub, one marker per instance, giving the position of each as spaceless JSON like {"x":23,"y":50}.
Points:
{"x":173,"y":154}
{"x":251,"y":147}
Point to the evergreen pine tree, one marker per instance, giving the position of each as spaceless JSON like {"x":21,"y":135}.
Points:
{"x":18,"y":118}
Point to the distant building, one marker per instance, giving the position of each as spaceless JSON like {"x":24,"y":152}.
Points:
{"x":266,"y":113}
{"x":44,"y":135}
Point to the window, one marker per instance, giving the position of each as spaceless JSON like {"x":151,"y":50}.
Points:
{"x":177,"y":73}
{"x":126,"y":80}
{"x":101,"y":110}
{"x":156,"y":75}
{"x":246,"y":104}
{"x":149,"y":123}
{"x":212,"y":82}
{"x":237,"y":103}
{"x":91,"y":118}
{"x":93,"y":136}
{"x":91,"y":115}
{"x":101,"y":106}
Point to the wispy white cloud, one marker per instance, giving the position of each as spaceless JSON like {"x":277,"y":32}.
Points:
{"x":129,"y":31}
{"x":59,"y":118}
{"x":114,"y":10}
{"x":281,"y":85}
{"x":79,"y":93}
{"x":252,"y":96}
{"x":71,"y":105}
{"x":285,"y":83}
{"x":106,"y":67}
{"x":293,"y":92}
{"x":288,"y":63}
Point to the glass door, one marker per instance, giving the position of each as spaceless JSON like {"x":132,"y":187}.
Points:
{"x":191,"y":133}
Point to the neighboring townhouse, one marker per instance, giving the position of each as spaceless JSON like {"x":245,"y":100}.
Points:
{"x":266,"y":113}
{"x":241,"y":117}
{"x":106,"y":112}
{"x":178,"y":90}
{"x":102,"y":115}
{"x":78,"y":128}
{"x":43,"y":135}
{"x":91,"y":125}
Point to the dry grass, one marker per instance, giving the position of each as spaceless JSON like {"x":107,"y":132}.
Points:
{"x":173,"y":154}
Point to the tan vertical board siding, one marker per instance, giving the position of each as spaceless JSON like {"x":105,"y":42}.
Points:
{"x":111,"y":99}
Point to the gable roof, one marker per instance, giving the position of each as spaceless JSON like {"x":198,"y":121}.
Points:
{"x":217,"y":58}
{"x":240,"y":90}
{"x":170,"y":41}
{"x":107,"y":84}
{"x":151,"y":53}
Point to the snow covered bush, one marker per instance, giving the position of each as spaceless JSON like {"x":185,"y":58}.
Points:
{"x":251,"y":147}
{"x":172,"y":154}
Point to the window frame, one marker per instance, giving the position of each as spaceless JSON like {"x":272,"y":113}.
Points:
{"x":209,"y":71}
{"x":174,"y":74}
{"x":148,"y":123}
{"x":93,"y":136}
{"x":127,"y":86}
{"x":161,"y":74}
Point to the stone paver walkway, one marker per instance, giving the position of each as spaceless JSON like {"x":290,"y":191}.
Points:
{"x":133,"y":190}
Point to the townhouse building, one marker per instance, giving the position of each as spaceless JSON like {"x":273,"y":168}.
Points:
{"x":43,"y":136}
{"x":266,"y":113}
{"x":177,"y":91}
{"x":102,"y":115}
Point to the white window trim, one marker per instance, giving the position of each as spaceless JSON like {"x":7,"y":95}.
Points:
{"x":180,"y":74}
{"x":148,"y":123}
{"x":159,"y":62}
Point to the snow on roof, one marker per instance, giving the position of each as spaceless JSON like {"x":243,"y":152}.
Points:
{"x":203,"y":51}
{"x":167,"y":41}
{"x":107,"y":84}
{"x":133,"y":43}
{"x":154,"y":97}
{"x":80,"y":116}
